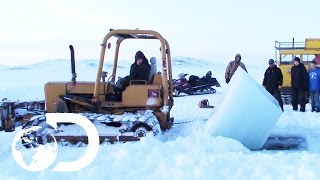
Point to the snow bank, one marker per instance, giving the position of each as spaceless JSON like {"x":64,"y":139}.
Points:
{"x":247,"y":113}
{"x":183,"y":152}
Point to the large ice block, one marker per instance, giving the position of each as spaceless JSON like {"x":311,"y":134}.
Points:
{"x":247,"y":112}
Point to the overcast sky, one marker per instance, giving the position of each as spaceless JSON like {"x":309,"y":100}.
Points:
{"x":37,"y":30}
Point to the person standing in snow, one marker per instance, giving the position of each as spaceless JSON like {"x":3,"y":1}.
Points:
{"x":314,"y":86}
{"x":273,"y":80}
{"x":299,"y":85}
{"x":233,"y":66}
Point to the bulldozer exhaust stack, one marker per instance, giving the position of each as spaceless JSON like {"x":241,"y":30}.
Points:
{"x":73,"y":65}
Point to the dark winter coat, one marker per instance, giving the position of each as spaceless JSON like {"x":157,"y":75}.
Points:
{"x":140,"y":72}
{"x":137,"y":72}
{"x":273,"y":78}
{"x":299,"y":77}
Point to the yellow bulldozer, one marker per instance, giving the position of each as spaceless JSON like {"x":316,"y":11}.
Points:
{"x":307,"y":51}
{"x":144,"y":106}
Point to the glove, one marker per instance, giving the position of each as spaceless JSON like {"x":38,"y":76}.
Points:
{"x":279,"y":87}
{"x":227,"y":80}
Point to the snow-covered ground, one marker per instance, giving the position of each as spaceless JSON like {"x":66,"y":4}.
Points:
{"x":183,"y":152}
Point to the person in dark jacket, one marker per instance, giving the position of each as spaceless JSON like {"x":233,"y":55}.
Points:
{"x":299,"y":84}
{"x":273,"y":80}
{"x":314,"y":86}
{"x":139,"y":70}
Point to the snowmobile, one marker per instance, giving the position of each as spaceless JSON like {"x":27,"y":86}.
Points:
{"x":144,"y":107}
{"x":195,"y":85}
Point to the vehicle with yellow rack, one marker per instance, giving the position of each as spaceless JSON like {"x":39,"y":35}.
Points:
{"x":285,"y":52}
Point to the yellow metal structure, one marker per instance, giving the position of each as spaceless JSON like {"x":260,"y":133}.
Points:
{"x":286,"y":51}
{"x":92,"y":96}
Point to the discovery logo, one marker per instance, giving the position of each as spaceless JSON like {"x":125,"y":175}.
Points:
{"x":45,"y":155}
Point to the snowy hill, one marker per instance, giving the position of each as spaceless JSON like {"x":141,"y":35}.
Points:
{"x":183,"y":152}
{"x":31,"y":78}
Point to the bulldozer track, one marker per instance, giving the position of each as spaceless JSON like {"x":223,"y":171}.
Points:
{"x":130,"y":126}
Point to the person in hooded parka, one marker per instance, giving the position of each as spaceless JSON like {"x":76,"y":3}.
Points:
{"x":139,"y":70}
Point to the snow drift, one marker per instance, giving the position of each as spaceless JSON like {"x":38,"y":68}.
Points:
{"x":247,"y":113}
{"x":183,"y":152}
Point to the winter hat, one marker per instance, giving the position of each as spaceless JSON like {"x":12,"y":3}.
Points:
{"x":208,"y":73}
{"x":271,"y":61}
{"x":238,"y":55}
{"x":139,"y":55}
{"x":297,"y":59}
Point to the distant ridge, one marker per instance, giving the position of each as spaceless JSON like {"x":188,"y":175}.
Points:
{"x":92,"y":63}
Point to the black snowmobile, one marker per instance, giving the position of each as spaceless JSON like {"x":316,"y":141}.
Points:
{"x":195,"y":85}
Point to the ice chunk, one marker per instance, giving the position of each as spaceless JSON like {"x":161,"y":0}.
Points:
{"x":246,"y":113}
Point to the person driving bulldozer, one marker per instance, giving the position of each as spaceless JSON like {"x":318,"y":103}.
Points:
{"x":139,"y":70}
{"x":233,"y":66}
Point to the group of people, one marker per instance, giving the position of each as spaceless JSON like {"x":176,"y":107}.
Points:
{"x":302,"y":82}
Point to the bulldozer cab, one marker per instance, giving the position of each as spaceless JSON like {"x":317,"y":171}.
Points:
{"x":307,"y":51}
{"x":163,"y":79}
{"x":94,"y":96}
